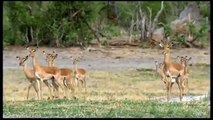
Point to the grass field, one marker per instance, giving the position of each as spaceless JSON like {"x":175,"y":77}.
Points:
{"x":126,"y":93}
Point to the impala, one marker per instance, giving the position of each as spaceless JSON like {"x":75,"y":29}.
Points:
{"x":160,"y":71}
{"x":174,"y":71}
{"x":29,"y":74}
{"x":66,"y":73}
{"x":184,"y":62}
{"x":44,"y":73}
{"x":79,"y":73}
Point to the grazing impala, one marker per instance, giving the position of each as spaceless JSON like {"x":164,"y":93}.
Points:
{"x":29,"y":74}
{"x":66,"y":73}
{"x":45,"y":73}
{"x":175,"y":71}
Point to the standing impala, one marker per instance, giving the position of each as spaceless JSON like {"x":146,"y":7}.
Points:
{"x":66,"y":73}
{"x":175,"y":71}
{"x":184,"y":62}
{"x":29,"y":74}
{"x":45,"y":73}
{"x":79,"y":73}
{"x":160,"y":71}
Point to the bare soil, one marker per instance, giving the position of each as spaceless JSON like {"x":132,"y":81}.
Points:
{"x":109,"y":59}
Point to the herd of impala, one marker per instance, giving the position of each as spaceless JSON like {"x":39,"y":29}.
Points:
{"x":68,"y":79}
{"x":53,"y":77}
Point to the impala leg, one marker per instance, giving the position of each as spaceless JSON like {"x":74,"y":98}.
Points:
{"x":85,"y":86}
{"x":35,"y":87}
{"x":187,"y":85}
{"x":168,"y":89}
{"x":50,"y":89}
{"x":76,"y":82}
{"x":65,"y":86}
{"x":60,"y":85}
{"x":29,"y":87}
{"x":28,"y":90}
{"x":39,"y":90}
{"x":55,"y":88}
{"x":72,"y":88}
{"x":165,"y":82}
{"x":180,"y":88}
{"x":182,"y":84}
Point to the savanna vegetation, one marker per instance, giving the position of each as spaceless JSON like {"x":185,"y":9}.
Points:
{"x":124,"y":92}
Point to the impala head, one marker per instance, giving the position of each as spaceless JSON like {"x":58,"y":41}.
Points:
{"x":185,"y":60}
{"x":32,"y":51}
{"x":167,"y":45}
{"x":159,"y":65}
{"x":75,"y":60}
{"x":49,"y":56}
{"x":22,"y":60}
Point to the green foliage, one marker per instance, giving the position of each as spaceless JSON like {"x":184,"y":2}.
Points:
{"x":67,"y":22}
{"x":168,"y":30}
{"x":201,"y":33}
{"x":205,"y":9}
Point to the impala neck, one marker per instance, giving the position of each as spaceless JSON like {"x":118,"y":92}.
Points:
{"x":35,"y":62}
{"x":185,"y":68}
{"x":167,"y":60}
{"x":50,"y":63}
{"x":25,"y":67}
{"x":76,"y":67}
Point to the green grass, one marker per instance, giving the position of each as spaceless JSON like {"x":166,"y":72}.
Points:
{"x":102,"y":109}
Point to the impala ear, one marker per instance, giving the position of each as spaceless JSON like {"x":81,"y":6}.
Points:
{"x":189,"y":59}
{"x":44,"y":52}
{"x":28,"y":48}
{"x":162,"y":43}
{"x":56,"y":55}
{"x":178,"y":56}
{"x":171,"y":44}
{"x":18,"y":58}
{"x":72,"y":58}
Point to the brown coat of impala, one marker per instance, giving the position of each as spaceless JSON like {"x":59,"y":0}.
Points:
{"x":66,"y":73}
{"x":79,"y":73}
{"x":174,"y":71}
{"x":45,"y":73}
{"x":184,"y":62}
{"x":29,"y":74}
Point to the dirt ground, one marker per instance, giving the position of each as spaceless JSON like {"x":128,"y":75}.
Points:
{"x":108,"y":59}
